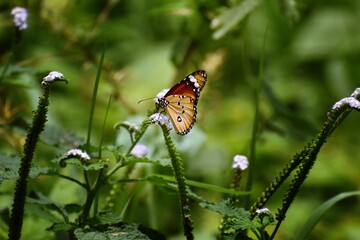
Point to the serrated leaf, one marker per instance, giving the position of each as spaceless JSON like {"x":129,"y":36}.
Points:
{"x":226,"y":208}
{"x":60,"y":227}
{"x":88,"y":165}
{"x":157,"y":180}
{"x":35,"y":171}
{"x":41,"y":211}
{"x":108,"y":218}
{"x":9,"y":167}
{"x":120,"y":231}
{"x":237,"y":218}
{"x":44,"y":206}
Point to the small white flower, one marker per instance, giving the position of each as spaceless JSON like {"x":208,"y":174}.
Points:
{"x":161,"y":119}
{"x":240,"y":162}
{"x":139,"y":150}
{"x":20,"y":17}
{"x":341,"y":102}
{"x":356,"y":93}
{"x":52,"y":76}
{"x":354,"y":103}
{"x":351,"y":101}
{"x":78,"y":153}
{"x":262,"y":210}
{"x":161,"y":95}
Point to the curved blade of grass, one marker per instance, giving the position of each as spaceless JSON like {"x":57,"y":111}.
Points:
{"x":93,"y":100}
{"x":316,"y":216}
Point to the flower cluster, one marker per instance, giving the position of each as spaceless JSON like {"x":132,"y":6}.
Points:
{"x":162,"y":120}
{"x":132,"y":127}
{"x":240,"y":162}
{"x":20,"y":17}
{"x":52,"y":76}
{"x":78,"y":153}
{"x":351,"y":101}
{"x":262,"y":210}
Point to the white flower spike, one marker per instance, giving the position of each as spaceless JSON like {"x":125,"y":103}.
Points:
{"x":52,"y":76}
{"x":161,"y":119}
{"x":132,"y":126}
{"x":262,"y":210}
{"x":350,"y":101}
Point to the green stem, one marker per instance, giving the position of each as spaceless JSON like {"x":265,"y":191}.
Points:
{"x":144,"y":125}
{"x":256,"y":122}
{"x":93,"y":100}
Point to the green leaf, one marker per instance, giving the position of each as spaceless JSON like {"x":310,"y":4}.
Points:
{"x":316,"y":216}
{"x":60,"y":227}
{"x":41,"y":211}
{"x":9,"y":167}
{"x":120,"y":231}
{"x":237,"y":218}
{"x":42,"y":206}
{"x":165,"y":162}
{"x":86,"y":165}
{"x":108,"y":218}
{"x":225,"y":22}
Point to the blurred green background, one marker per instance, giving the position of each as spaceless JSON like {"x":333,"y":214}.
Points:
{"x":311,"y":54}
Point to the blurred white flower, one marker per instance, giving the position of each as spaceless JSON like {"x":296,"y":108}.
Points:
{"x":52,"y":76}
{"x":240,"y":162}
{"x":356,"y":93}
{"x":161,"y":119}
{"x":78,"y":153}
{"x":160,"y":95}
{"x":351,"y":101}
{"x":131,"y":126}
{"x":139,"y":150}
{"x":262,"y":210}
{"x":20,"y":17}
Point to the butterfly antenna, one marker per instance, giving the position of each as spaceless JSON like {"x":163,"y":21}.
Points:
{"x":145,"y":99}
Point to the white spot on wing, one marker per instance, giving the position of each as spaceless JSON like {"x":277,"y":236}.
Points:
{"x":194,"y":80}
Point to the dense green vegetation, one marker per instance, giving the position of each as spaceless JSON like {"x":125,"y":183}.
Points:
{"x":276,"y":65}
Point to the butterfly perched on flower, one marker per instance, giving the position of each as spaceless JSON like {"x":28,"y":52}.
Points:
{"x":181,"y":100}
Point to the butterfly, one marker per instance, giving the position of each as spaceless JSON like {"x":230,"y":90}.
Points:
{"x":181,"y":100}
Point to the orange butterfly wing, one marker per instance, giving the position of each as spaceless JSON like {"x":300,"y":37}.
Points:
{"x":181,"y":100}
{"x":182,"y":112}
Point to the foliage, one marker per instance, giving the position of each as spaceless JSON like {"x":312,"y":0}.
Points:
{"x":101,"y":169}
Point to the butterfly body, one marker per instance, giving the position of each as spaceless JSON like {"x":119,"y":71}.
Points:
{"x":180,"y":102}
